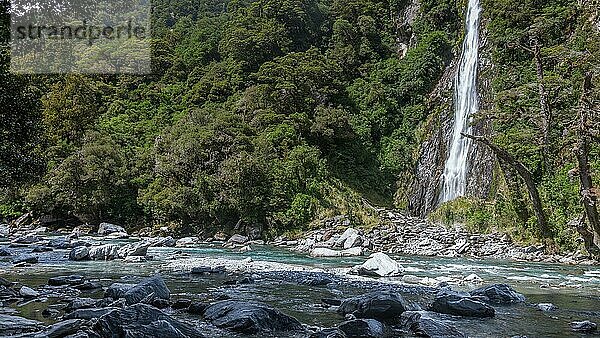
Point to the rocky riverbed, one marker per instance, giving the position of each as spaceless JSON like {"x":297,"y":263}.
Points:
{"x":110,"y":284}
{"x":401,"y":234}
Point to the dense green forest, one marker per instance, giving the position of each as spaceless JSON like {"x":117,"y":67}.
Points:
{"x":269,"y":115}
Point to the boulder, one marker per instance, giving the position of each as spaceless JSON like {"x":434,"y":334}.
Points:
{"x":163,"y":242}
{"x":379,"y":264}
{"x":349,"y":233}
{"x":362,"y":328}
{"x":107,"y":229}
{"x":79,"y":253}
{"x":454,"y":303}
{"x":4,"y":252}
{"x":28,"y":292}
{"x":104,"y":252}
{"x":62,"y":242}
{"x":14,"y":325}
{"x":237,"y":239}
{"x":585,"y":326}
{"x":134,"y":249}
{"x":4,"y":230}
{"x":64,"y":328}
{"x":142,"y":321}
{"x":66,"y":280}
{"x":249,"y":318}
{"x":81,"y":303}
{"x":423,"y":326}
{"x":499,"y":294}
{"x":186,"y":241}
{"x":383,"y":306}
{"x":153,"y":286}
{"x":324,"y":252}
{"x":117,"y":290}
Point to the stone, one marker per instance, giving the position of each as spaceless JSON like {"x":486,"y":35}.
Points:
{"x":154,"y":286}
{"x":66,"y":280}
{"x":62,"y":242}
{"x":546,"y":307}
{"x":423,"y":326}
{"x":197,"y":308}
{"x":117,"y":290}
{"x":585,"y":326}
{"x":80,"y":303}
{"x":379,"y":264}
{"x":362,"y":328}
{"x":142,"y":321}
{"x":499,"y":294}
{"x":163,"y":242}
{"x":4,"y":230}
{"x":457,"y":304}
{"x":25,"y":259}
{"x":350,"y":232}
{"x":324,"y":252}
{"x":249,"y":318}
{"x":28,"y":292}
{"x":237,"y":239}
{"x":64,"y":328}
{"x":383,"y":306}
{"x":107,"y":229}
{"x":186,"y":241}
{"x":104,"y":252}
{"x":14,"y":325}
{"x":134,"y":249}
{"x":4,"y":252}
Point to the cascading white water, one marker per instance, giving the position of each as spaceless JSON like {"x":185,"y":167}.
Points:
{"x":465,"y":105}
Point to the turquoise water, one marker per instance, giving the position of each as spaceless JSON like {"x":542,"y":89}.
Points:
{"x":574,"y":289}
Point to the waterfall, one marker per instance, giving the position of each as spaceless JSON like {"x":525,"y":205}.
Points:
{"x":465,"y":105}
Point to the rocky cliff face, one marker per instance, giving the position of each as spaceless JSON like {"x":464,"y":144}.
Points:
{"x":424,"y":192}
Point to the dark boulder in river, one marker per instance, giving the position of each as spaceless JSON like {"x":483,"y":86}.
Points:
{"x":499,"y":294}
{"x":249,"y":318}
{"x":117,"y":290}
{"x":25,"y":259}
{"x":458,"y":304}
{"x":140,"y":321}
{"x":66,"y":280}
{"x":79,"y":253}
{"x":383,"y":306}
{"x":422,"y":326}
{"x":363,"y":328}
{"x":153,"y":286}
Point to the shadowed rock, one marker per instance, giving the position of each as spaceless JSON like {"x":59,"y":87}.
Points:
{"x":249,"y":318}
{"x":454,"y":303}
{"x":499,"y":294}
{"x":140,"y":321}
{"x":383,"y":306}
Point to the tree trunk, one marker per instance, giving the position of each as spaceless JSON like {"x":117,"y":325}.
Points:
{"x":526,"y":176}
{"x":544,"y":107}
{"x":588,"y":195}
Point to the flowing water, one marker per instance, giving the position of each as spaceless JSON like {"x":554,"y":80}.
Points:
{"x":465,"y":105}
{"x":574,"y":289}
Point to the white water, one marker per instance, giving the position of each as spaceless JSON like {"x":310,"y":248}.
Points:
{"x":465,"y":105}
